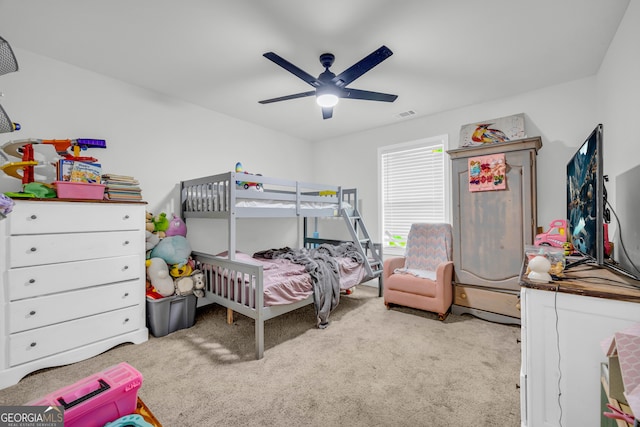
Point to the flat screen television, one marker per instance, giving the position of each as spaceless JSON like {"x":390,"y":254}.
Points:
{"x":586,"y":198}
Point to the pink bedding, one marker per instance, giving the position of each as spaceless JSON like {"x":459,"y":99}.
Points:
{"x":286,"y":282}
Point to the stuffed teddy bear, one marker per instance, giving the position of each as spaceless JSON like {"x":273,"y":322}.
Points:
{"x":176,"y":227}
{"x":148,"y":222}
{"x":158,"y":275}
{"x":173,"y":250}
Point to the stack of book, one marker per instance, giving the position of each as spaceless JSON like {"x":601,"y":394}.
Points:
{"x":121,"y":187}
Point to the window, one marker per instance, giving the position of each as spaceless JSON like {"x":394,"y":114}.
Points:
{"x":413,"y":179}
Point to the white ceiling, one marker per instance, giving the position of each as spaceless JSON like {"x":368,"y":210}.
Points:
{"x":447,"y":53}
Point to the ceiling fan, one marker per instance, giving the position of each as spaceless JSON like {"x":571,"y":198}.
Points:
{"x":329,"y":87}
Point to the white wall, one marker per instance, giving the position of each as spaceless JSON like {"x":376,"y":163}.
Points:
{"x":618,"y":87}
{"x":562,"y":115}
{"x":161,"y":140}
{"x":158,"y":140}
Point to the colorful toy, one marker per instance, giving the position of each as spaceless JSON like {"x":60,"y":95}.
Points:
{"x":176,"y":227}
{"x":246,"y":184}
{"x":181,"y":271}
{"x":173,"y":250}
{"x":556,"y":236}
{"x":158,"y":275}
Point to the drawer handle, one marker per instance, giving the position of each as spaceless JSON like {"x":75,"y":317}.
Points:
{"x":33,"y":344}
{"x":34,"y":217}
{"x":32,"y":313}
{"x":126,"y":217}
{"x":31,"y":281}
{"x":463,"y":296}
{"x":126,"y":267}
{"x":126,"y":294}
{"x":126,"y":242}
{"x":126,"y":320}
{"x":33,"y":249}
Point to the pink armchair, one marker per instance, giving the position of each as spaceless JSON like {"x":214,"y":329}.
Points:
{"x":422,"y":278}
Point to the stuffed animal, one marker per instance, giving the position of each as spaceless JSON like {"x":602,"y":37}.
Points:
{"x":161,"y":224}
{"x":181,"y":270}
{"x":158,"y":275}
{"x":177,"y":227}
{"x":198,"y":283}
{"x":183,"y":285}
{"x":151,"y":240}
{"x":148,"y":222}
{"x":6,"y":205}
{"x":173,"y":250}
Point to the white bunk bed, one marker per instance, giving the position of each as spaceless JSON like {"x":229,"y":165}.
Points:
{"x":238,"y":284}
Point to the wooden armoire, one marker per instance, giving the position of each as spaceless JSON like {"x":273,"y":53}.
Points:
{"x":491,"y":230}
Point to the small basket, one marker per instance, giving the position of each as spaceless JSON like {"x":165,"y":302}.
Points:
{"x":79,"y":190}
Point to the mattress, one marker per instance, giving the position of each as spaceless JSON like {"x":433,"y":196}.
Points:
{"x":286,"y":282}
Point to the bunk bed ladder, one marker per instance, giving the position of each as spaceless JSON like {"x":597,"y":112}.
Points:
{"x":371,"y":252}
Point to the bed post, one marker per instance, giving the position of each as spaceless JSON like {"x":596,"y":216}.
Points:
{"x":259,"y":325}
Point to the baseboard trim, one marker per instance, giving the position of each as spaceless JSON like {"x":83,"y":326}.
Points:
{"x":485,"y":315}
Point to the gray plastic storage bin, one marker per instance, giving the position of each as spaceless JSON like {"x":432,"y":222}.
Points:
{"x":170,"y":314}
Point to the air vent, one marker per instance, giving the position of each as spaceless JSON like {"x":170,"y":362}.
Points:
{"x":406,"y":114}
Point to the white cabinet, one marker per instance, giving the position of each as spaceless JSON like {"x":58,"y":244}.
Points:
{"x":73,"y":283}
{"x":562,"y":331}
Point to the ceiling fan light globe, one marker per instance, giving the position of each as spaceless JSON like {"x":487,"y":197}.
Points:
{"x":327,"y":100}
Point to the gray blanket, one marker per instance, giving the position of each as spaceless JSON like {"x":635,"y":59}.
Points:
{"x":321,"y":265}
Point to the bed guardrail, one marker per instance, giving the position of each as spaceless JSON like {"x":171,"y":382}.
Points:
{"x":222,"y":195}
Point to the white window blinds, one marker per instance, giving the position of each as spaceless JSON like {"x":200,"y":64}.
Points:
{"x":413,"y":187}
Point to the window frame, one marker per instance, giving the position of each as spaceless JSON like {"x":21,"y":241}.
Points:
{"x":419,"y":143}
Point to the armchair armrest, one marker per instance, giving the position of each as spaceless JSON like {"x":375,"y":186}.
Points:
{"x":444,"y":276}
{"x":390,"y":264}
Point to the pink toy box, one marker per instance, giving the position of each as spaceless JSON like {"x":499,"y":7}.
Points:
{"x":98,"y":399}
{"x":79,"y":190}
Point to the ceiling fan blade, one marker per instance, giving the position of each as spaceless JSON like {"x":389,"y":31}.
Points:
{"x":367,"y":95}
{"x":327,"y":112}
{"x":284,"y":98}
{"x":292,"y":68}
{"x":362,"y":66}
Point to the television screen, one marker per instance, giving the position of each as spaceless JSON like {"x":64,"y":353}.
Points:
{"x":585,"y":198}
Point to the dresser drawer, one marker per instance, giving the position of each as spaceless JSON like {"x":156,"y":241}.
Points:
{"x":60,"y":217}
{"x":488,"y":299}
{"x":37,"y":343}
{"x":33,"y":313}
{"x":30,"y":250}
{"x":29,"y":282}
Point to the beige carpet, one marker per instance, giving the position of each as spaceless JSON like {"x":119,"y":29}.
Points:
{"x":370,"y":367}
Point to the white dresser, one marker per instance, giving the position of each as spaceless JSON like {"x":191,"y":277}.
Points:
{"x":73,"y":282}
{"x":563,"y":326}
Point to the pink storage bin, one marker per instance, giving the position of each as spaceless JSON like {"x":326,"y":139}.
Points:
{"x":98,"y":399}
{"x":79,"y":190}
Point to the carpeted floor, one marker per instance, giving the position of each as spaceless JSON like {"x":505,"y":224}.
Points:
{"x":370,"y":367}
